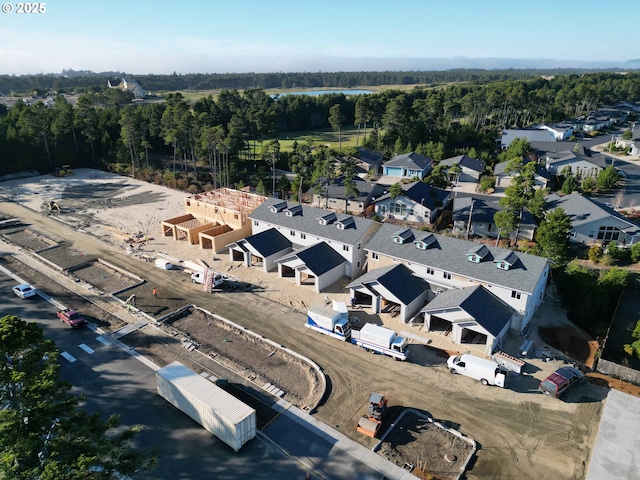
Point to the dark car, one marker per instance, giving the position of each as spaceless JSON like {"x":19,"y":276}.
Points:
{"x":560,"y":381}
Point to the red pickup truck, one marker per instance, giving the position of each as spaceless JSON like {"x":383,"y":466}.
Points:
{"x":72,"y":318}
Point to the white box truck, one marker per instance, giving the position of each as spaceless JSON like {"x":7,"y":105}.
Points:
{"x":487,"y":371}
{"x":219,"y":412}
{"x":329,"y":321}
{"x":377,"y":339}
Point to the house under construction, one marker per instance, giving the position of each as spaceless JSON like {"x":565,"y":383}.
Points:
{"x":214,"y":219}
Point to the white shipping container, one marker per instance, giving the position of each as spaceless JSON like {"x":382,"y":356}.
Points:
{"x":219,"y":412}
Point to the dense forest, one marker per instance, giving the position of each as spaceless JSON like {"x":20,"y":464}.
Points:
{"x":77,"y":81}
{"x":213,"y":142}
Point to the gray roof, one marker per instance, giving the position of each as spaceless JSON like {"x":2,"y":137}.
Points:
{"x":450,"y":254}
{"x":307,"y":222}
{"x":338,"y":190}
{"x":465,"y":161}
{"x":483,"y":211}
{"x":410,"y":160}
{"x":398,"y":279}
{"x":421,"y":192}
{"x":541,"y":170}
{"x":582,"y":210}
{"x":268,"y":242}
{"x":484,"y":307}
{"x":319,"y":258}
{"x":370,"y":156}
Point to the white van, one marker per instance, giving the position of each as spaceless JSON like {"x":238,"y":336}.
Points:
{"x":163,"y":264}
{"x":487,"y":371}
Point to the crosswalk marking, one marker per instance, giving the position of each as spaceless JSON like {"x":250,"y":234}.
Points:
{"x":86,"y":348}
{"x":103,"y":340}
{"x":68,"y":356}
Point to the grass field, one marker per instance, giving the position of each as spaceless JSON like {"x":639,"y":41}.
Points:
{"x":320,"y":137}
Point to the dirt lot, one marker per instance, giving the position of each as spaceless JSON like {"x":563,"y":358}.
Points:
{"x":104,"y":277}
{"x":251,"y":357}
{"x":425,"y":449}
{"x":520,"y":433}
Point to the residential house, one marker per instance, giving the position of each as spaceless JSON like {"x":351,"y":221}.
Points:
{"x":129,"y":85}
{"x":503,"y":178}
{"x":516,"y":278}
{"x":533,"y":134}
{"x":370,"y":160}
{"x":472,"y":315}
{"x":418,"y":203}
{"x":408,"y":166}
{"x":593,"y":223}
{"x":560,"y":131}
{"x":471,"y":168}
{"x":321,"y":245}
{"x":334,"y":196}
{"x":575,"y":162}
{"x":392,"y":289}
{"x":474,"y":217}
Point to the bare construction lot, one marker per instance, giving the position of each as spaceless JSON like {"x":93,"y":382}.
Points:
{"x":520,"y":433}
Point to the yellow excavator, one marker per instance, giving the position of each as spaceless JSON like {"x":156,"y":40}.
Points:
{"x":63,"y":171}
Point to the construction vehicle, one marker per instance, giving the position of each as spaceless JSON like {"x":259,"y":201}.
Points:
{"x":377,"y":339}
{"x":370,"y":423}
{"x":330,"y":321}
{"x":63,"y":171}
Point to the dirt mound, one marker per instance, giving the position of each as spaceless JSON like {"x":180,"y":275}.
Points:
{"x":572,"y":342}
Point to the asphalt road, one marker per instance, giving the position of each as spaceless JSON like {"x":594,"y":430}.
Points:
{"x":115,"y":382}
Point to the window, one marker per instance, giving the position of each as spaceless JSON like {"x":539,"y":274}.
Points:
{"x":359,"y":246}
{"x":255,"y":223}
{"x":236,"y":216}
{"x":515,"y":294}
{"x":446,"y":275}
{"x":303,"y":236}
{"x":292,"y":233}
{"x":590,"y":233}
{"x":430,"y":271}
{"x":398,"y":208}
{"x":345,"y":248}
{"x":374,"y":256}
{"x":608,"y":234}
{"x":358,"y":264}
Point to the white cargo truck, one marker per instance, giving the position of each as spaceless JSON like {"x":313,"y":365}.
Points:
{"x":377,"y":339}
{"x":217,"y":278}
{"x":219,"y":412}
{"x":329,"y":321}
{"x":487,"y":371}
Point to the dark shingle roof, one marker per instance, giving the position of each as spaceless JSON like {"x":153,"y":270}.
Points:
{"x":450,"y":255}
{"x":268,"y":242}
{"x":397,"y":279}
{"x":489,"y":311}
{"x":370,"y":156}
{"x":483,"y":211}
{"x":411,"y":160}
{"x":338,"y":190}
{"x":541,"y":170}
{"x":465,"y":161}
{"x":319,"y":258}
{"x":421,"y":192}
{"x":307,"y":221}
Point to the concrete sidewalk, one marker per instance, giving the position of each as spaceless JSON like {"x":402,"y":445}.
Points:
{"x":616,"y":453}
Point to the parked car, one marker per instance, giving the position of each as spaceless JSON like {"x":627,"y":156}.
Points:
{"x":560,"y":381}
{"x":24,"y":290}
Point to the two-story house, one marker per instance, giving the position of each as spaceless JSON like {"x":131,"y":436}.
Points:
{"x":334,"y":196}
{"x":517,"y":279}
{"x":474,"y":217}
{"x":313,"y":246}
{"x":418,"y":203}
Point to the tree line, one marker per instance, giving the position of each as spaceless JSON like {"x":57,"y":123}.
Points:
{"x":71,"y":80}
{"x":221,"y":141}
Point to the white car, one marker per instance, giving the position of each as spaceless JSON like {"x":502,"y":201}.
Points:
{"x":24,"y":290}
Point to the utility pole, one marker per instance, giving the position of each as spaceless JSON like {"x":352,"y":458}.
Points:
{"x":469,"y":222}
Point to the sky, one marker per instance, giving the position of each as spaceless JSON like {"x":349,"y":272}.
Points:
{"x":199,"y":36}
